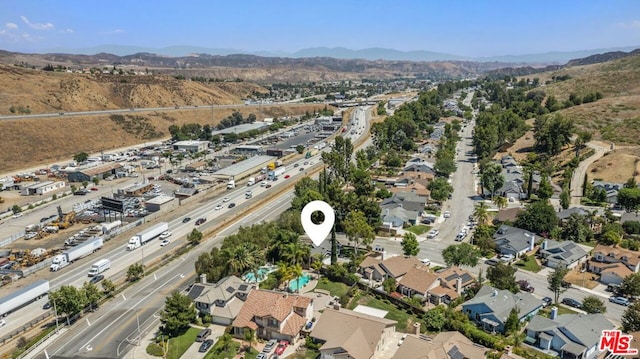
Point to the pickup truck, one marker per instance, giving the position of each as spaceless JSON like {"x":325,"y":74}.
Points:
{"x":525,"y":286}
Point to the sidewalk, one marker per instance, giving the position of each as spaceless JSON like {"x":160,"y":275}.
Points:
{"x":38,"y":349}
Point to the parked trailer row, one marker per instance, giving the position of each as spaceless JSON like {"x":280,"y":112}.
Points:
{"x":23,"y":296}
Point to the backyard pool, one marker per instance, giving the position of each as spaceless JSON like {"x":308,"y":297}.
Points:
{"x":299,"y":281}
{"x":259,"y":275}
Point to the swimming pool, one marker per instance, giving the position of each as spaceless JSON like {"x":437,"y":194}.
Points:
{"x":299,"y":281}
{"x":261,"y":273}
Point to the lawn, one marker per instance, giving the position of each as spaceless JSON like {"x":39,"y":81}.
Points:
{"x":418,"y":229}
{"x":402,"y":317}
{"x":529,"y":264}
{"x":307,"y":354}
{"x":335,"y":288}
{"x":177,"y":346}
{"x":218,"y":352}
{"x":546,"y":312}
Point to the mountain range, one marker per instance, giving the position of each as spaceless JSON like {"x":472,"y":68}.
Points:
{"x":374,"y":53}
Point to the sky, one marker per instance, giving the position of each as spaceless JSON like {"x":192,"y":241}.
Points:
{"x":472,"y":28}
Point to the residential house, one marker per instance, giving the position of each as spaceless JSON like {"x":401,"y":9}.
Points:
{"x":570,"y":336}
{"x":373,"y":268}
{"x":514,"y":241}
{"x":565,"y":254}
{"x":348,"y":334}
{"x":222,"y":300}
{"x":273,"y":315}
{"x":614,"y":273}
{"x":397,"y":217}
{"x":566,"y":213}
{"x":491,"y":307}
{"x":611,"y":188}
{"x":441,"y":287}
{"x":402,"y":208}
{"x":421,"y":167}
{"x":514,"y":180}
{"x":604,"y":255}
{"x":445,"y":345}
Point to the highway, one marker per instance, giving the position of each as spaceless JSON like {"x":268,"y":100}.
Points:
{"x":108,"y":332}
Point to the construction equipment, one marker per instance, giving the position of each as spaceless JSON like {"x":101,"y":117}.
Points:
{"x":65,"y":220}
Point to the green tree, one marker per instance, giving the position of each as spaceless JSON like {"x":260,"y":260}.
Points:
{"x":500,"y":202}
{"x":592,"y":304}
{"x":575,"y":228}
{"x":108,"y":288}
{"x":503,"y":276}
{"x":68,"y":300}
{"x":92,"y":294}
{"x":629,"y":198}
{"x":16,"y":209}
{"x":440,"y":189}
{"x":555,"y":280}
{"x":512,"y":325}
{"x":631,"y":318}
{"x":410,"y":244}
{"x":95,"y":180}
{"x":357,"y":229}
{"x":194,"y":237}
{"x":81,"y":157}
{"x":461,"y":254}
{"x":239,"y":258}
{"x":491,"y":177}
{"x":435,"y":319}
{"x":294,"y":252}
{"x":481,"y":213}
{"x":135,"y":272}
{"x":249,"y":337}
{"x":565,"y":198}
{"x":85,"y":184}
{"x":296,"y":272}
{"x":483,"y":238}
{"x":545,"y":191}
{"x":300,"y":149}
{"x":631,"y":285}
{"x":389,"y":285}
{"x":177,"y":314}
{"x":538,"y":217}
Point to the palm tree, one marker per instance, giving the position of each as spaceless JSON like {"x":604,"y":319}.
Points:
{"x":294,"y":252}
{"x":285,"y":272}
{"x":500,"y":202}
{"x":481,"y":213}
{"x":296,"y":272}
{"x":239,"y":258}
{"x":317,"y":263}
{"x":226,"y":339}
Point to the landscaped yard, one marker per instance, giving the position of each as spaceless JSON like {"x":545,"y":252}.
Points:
{"x":529,"y":264}
{"x":418,"y":229}
{"x":403,"y":318}
{"x":546,"y":312}
{"x":218,"y":352}
{"x":336,"y":289}
{"x":177,"y":346}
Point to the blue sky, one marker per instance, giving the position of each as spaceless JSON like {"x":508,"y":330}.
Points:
{"x":469,"y":28}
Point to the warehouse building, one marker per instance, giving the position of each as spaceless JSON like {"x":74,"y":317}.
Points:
{"x":88,"y":173}
{"x":244,"y":168}
{"x":239,"y":129}
{"x":160,"y":202}
{"x":191,"y":146}
{"x":137,"y":190}
{"x":248,"y":149}
{"x":41,"y":188}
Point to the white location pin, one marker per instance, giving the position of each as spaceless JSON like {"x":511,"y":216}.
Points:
{"x":317,"y":232}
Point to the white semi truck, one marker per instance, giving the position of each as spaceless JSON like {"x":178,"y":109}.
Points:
{"x":62,"y":260}
{"x":256,"y":179}
{"x":99,"y":267}
{"x":145,"y":236}
{"x":23,"y":296}
{"x":275,"y":173}
{"x":231,"y":184}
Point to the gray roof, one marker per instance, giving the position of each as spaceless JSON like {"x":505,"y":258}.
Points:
{"x":608,"y":185}
{"x":398,"y":216}
{"x":502,"y":301}
{"x":224,"y":290}
{"x":565,"y":213}
{"x":244,"y":166}
{"x":585,"y":328}
{"x":565,"y":251}
{"x":419,"y":167}
{"x":407,"y":200}
{"x":512,"y":239}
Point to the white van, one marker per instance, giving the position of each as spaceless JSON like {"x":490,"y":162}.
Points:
{"x":99,"y":267}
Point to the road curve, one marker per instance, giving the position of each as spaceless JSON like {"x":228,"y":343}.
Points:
{"x":578,"y":175}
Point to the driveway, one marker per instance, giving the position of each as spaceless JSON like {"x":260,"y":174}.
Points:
{"x":578,"y":175}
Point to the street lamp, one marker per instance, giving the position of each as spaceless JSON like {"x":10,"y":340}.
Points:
{"x":55,"y":312}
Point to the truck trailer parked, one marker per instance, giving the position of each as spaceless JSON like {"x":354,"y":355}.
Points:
{"x":99,"y":267}
{"x":145,"y":236}
{"x":24,"y":296}
{"x":62,"y":260}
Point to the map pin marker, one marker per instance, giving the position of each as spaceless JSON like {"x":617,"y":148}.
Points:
{"x":317,"y":232}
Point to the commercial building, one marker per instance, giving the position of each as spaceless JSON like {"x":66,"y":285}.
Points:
{"x":248,"y":149}
{"x":191,"y":146}
{"x":160,"y":202}
{"x":243,"y":168}
{"x":137,"y":189}
{"x":42,"y":187}
{"x":89,"y":173}
{"x":239,"y":129}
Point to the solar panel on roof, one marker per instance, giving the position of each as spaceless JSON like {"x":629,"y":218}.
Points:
{"x":243,"y":287}
{"x":230,"y":289}
{"x":195,"y":292}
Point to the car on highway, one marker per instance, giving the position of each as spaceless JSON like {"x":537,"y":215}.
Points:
{"x":306,"y":163}
{"x":572,"y":303}
{"x":200,"y":221}
{"x":205,"y":345}
{"x":301,"y":169}
{"x":94,"y":188}
{"x":17,"y":215}
{"x":426,"y":261}
{"x":620,"y":300}
{"x":433,"y":233}
{"x":263,"y":183}
{"x":186,"y":219}
{"x":231,"y":205}
{"x":267,"y":186}
{"x":218,"y":207}
{"x":95,"y":279}
{"x":286,"y":177}
{"x":2,"y":323}
{"x":226,"y":199}
{"x":81,"y":192}
{"x":281,"y":347}
{"x":546,"y":301}
{"x":47,"y":305}
{"x":296,"y":165}
{"x":165,"y":235}
{"x":164,"y":242}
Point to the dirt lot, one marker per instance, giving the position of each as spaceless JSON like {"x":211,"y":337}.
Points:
{"x":617,"y":166}
{"x":586,"y":280}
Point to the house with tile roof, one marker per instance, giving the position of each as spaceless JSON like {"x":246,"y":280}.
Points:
{"x":491,"y":307}
{"x":345,"y":334}
{"x":273,"y":315}
{"x":514,"y":241}
{"x":373,"y":268}
{"x":445,"y":345}
{"x":562,"y":254}
{"x":603,"y":255}
{"x":222,"y":300}
{"x":441,"y":287}
{"x":570,"y":336}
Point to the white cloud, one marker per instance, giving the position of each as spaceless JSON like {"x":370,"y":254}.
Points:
{"x":37,"y":26}
{"x":635,"y":24}
{"x":67,"y":31}
{"x":11,"y":25}
{"x":112,"y":32}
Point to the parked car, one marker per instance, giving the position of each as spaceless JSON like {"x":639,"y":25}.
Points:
{"x":546,"y":301}
{"x":447,"y":214}
{"x":281,"y":347}
{"x":433,"y":233}
{"x":572,"y":302}
{"x":426,"y":261}
{"x":620,"y":300}
{"x":200,"y":221}
{"x":613,"y":288}
{"x":404,"y":336}
{"x":47,"y":305}
{"x":96,"y":278}
{"x":2,"y":323}
{"x":269,"y":346}
{"x":261,"y":356}
{"x":204,"y":333}
{"x":507,"y":258}
{"x":491,"y":262}
{"x":526,"y":286}
{"x":565,"y":284}
{"x":205,"y":345}
{"x":17,"y":215}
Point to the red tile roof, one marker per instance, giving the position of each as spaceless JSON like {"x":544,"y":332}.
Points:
{"x":277,"y":305}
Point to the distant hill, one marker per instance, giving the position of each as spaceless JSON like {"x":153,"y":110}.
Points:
{"x":607,"y":56}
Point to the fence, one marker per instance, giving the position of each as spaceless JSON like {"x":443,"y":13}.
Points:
{"x":11,"y":239}
{"x":24,"y":328}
